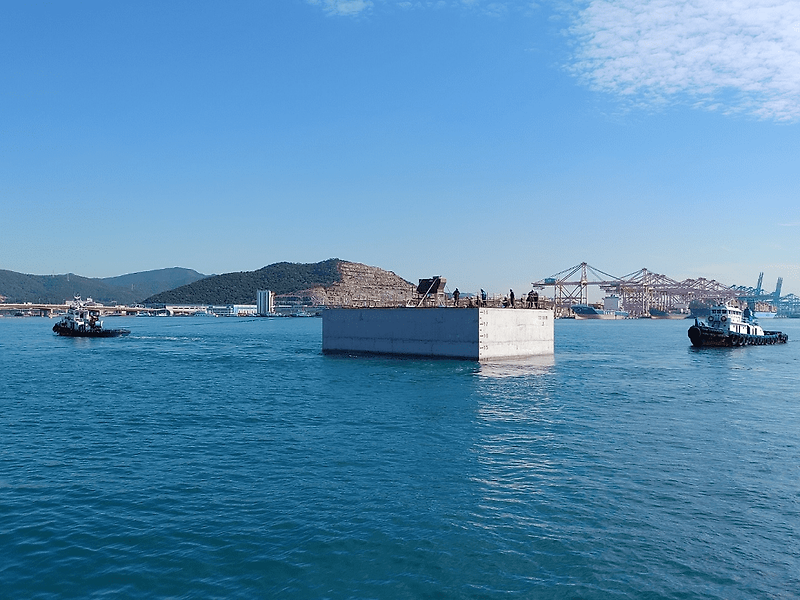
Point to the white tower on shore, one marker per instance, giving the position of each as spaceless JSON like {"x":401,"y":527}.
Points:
{"x":265,"y":302}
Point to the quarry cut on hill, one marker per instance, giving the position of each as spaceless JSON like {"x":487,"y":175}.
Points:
{"x":360,"y":285}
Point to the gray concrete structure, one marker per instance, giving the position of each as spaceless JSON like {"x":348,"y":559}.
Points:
{"x":469,"y":333}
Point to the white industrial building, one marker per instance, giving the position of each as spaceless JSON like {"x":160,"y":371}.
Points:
{"x":233,"y":310}
{"x":265,"y":302}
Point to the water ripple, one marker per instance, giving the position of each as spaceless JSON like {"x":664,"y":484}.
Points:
{"x":198,"y":459}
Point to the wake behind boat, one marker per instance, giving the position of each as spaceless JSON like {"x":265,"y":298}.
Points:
{"x":82,"y":320}
{"x":730,"y":326}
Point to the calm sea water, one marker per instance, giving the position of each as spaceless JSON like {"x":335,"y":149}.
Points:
{"x":228,"y":458}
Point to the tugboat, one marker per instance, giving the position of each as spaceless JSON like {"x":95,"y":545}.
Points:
{"x":83,"y":321}
{"x":730,"y":326}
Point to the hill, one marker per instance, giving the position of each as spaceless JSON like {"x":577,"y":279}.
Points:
{"x":148,"y":283}
{"x":55,"y":289}
{"x":240,"y":287}
{"x":330,"y":282}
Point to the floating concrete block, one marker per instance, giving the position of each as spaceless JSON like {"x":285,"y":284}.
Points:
{"x":470,"y":333}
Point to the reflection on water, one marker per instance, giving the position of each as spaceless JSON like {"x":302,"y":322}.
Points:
{"x":517,"y":367}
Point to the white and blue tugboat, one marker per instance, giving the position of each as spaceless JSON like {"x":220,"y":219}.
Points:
{"x":83,"y":320}
{"x":730,"y":326}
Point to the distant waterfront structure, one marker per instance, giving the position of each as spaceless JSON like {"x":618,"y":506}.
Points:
{"x":644,"y":293}
{"x":233,"y":310}
{"x":265,"y":302}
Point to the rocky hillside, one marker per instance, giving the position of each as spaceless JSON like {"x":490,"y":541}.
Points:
{"x":361,"y":285}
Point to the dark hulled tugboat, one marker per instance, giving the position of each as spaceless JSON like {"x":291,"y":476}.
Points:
{"x":730,"y":326}
{"x":82,"y":320}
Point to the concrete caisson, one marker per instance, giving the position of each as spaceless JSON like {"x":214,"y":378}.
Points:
{"x":469,"y":333}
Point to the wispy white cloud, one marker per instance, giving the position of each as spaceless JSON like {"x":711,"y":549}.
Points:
{"x":355,"y":7}
{"x":419,"y":4}
{"x":729,"y":56}
{"x":343,"y":7}
{"x":498,"y":9}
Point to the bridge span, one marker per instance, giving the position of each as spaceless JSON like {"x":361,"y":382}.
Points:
{"x":46,"y":310}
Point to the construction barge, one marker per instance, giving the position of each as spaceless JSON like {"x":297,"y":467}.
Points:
{"x":431,"y":329}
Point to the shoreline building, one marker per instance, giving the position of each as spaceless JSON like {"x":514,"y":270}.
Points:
{"x":233,"y":310}
{"x":265,"y":302}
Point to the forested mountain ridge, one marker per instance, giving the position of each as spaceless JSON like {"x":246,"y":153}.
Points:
{"x":148,"y":283}
{"x":240,"y":287}
{"x":124,"y":289}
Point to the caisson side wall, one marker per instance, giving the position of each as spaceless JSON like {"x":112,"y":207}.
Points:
{"x":469,"y":333}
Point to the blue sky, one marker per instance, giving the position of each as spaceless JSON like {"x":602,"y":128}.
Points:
{"x":492,"y":143}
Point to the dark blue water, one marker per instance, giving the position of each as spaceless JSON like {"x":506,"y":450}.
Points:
{"x":228,"y":458}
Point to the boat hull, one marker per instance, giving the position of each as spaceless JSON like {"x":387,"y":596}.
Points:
{"x":88,"y":333}
{"x":584,"y":311}
{"x":656,"y":313}
{"x":702,"y":336}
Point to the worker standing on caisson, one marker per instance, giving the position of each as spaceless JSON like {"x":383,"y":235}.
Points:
{"x":456,"y":295}
{"x":511,"y":298}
